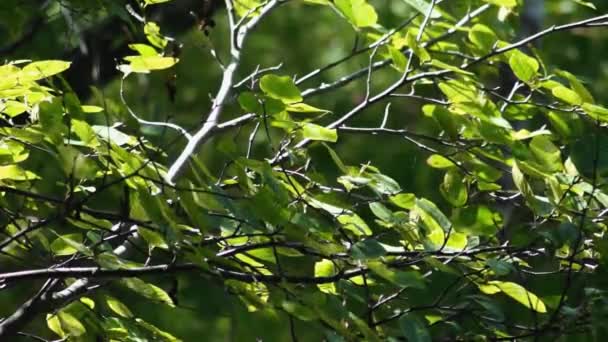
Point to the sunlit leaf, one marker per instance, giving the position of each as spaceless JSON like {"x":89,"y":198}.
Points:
{"x":567,"y":95}
{"x":281,"y":88}
{"x":43,"y":69}
{"x":358,"y":12}
{"x":515,"y":291}
{"x":148,"y":290}
{"x":316,"y":132}
{"x":524,"y":66}
{"x":325,"y":268}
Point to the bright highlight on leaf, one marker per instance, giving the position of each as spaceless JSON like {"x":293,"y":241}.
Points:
{"x":524,"y":66}
{"x":358,"y":12}
{"x":325,"y":268}
{"x":145,"y":64}
{"x":515,"y":291}
{"x":43,"y":69}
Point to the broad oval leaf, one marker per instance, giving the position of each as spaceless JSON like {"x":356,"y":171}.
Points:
{"x":524,"y":66}
{"x":281,"y":88}
{"x":515,"y":291}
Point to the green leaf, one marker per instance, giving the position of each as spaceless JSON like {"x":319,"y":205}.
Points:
{"x":300,"y":311}
{"x":546,"y":153}
{"x":596,"y":112}
{"x":405,"y":201}
{"x":85,"y":133}
{"x":446,"y":119}
{"x":16,"y":173}
{"x":499,"y":267}
{"x":399,"y":59}
{"x":249,"y":102}
{"x":423,"y":7}
{"x":368,"y":334}
{"x":567,"y":95}
{"x":152,"y":31}
{"x":483,"y":37}
{"x":586,"y":4}
{"x":154,"y":2}
{"x":381,"y":211}
{"x":439,"y":162}
{"x":577,"y":86}
{"x":43,"y":69}
{"x":367,"y":249}
{"x":91,"y":109}
{"x":281,"y":88}
{"x":459,"y":91}
{"x":417,"y":48}
{"x":52,"y":321}
{"x":454,"y":188}
{"x":118,"y":307}
{"x":441,"y":65}
{"x":400,"y":278}
{"x":13,"y":108}
{"x":515,"y":291}
{"x":524,"y":66}
{"x":414,"y":329}
{"x":144,"y":49}
{"x":432,"y":216}
{"x":154,"y":239}
{"x":354,"y":223}
{"x":316,"y":132}
{"x":158,"y":335}
{"x":112,"y":135}
{"x":347,"y":218}
{"x":318,"y":2}
{"x":358,"y":12}
{"x":504,"y":3}
{"x":147,"y":290}
{"x":326,"y":268}
{"x":69,"y":244}
{"x":301,"y":107}
{"x":382,"y":184}
{"x":144,"y":64}
{"x":477,"y":220}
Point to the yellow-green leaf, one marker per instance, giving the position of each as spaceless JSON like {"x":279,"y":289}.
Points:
{"x":316,"y":132}
{"x":596,"y":112}
{"x":524,"y":66}
{"x":281,"y":88}
{"x":325,"y":268}
{"x":503,"y":3}
{"x":148,"y":290}
{"x":118,"y":307}
{"x":143,"y":64}
{"x":358,"y":12}
{"x":417,"y":48}
{"x":567,"y":95}
{"x":43,"y":69}
{"x":439,"y":162}
{"x":482,"y":36}
{"x":515,"y":291}
{"x":14,"y":172}
{"x":304,"y":108}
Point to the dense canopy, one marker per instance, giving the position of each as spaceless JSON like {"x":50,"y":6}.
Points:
{"x":304,"y":170}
